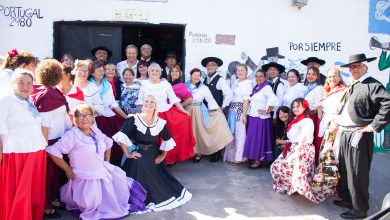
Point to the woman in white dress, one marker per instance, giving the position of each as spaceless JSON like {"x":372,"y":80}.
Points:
{"x":210,"y":128}
{"x":296,"y":89}
{"x":237,"y":116}
{"x":314,"y":95}
{"x":169,"y":109}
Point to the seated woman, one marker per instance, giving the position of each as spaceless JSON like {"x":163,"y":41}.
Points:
{"x":292,"y":171}
{"x":95,"y":188}
{"x":147,"y":165}
{"x":282,"y":120}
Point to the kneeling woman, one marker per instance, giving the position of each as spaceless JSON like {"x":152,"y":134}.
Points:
{"x":292,"y":171}
{"x":146,"y":164}
{"x":96,"y":188}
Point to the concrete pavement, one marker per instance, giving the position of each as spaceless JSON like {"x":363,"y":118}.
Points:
{"x":231,"y":191}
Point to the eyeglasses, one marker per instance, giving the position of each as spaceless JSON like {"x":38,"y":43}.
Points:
{"x":356,"y":66}
{"x":83,"y":71}
{"x":86,"y":116}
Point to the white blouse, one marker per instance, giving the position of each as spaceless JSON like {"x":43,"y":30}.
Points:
{"x":73,"y":102}
{"x":57,"y":121}
{"x":329,"y":105}
{"x":21,"y":132}
{"x":108,"y":101}
{"x":296,"y":91}
{"x":301,"y":131}
{"x":162,"y":91}
{"x":241,"y":90}
{"x":5,"y":81}
{"x":314,"y":97}
{"x":201,"y":93}
{"x":92,"y":97}
{"x":262,"y":100}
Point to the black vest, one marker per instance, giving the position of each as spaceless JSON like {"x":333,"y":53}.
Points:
{"x":217,"y":94}
{"x":276,"y":84}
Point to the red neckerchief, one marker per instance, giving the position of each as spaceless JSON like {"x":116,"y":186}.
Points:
{"x":329,"y":91}
{"x":46,"y":98}
{"x":114,"y":80}
{"x":79,"y":95}
{"x":297,"y":119}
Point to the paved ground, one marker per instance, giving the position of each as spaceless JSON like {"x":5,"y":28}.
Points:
{"x":231,"y":191}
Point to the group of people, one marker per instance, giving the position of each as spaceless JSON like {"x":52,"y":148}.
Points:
{"x":114,"y":129}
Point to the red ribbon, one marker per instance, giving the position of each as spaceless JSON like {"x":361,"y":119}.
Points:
{"x":286,"y":149}
{"x":13,"y":52}
{"x":305,"y":104}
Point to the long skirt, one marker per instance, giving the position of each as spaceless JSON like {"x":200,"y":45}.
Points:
{"x":55,"y":178}
{"x":22,"y":185}
{"x":212,"y":137}
{"x":164,"y":190}
{"x":180,"y":128}
{"x":259,"y":139}
{"x":317,"y":140}
{"x":110,"y":198}
{"x":327,"y":173}
{"x":294,"y":171}
{"x":235,"y":149}
{"x":110,"y":126}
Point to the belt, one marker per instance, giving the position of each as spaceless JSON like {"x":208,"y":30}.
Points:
{"x":145,"y":147}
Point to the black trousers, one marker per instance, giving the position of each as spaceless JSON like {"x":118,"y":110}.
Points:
{"x":355,"y":164}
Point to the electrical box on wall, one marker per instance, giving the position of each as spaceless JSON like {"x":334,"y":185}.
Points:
{"x":299,"y":3}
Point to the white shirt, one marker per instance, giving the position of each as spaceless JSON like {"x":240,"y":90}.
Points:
{"x":296,"y":91}
{"x":201,"y":93}
{"x":57,"y":121}
{"x":280,"y":91}
{"x":314,"y":97}
{"x":162,"y":91}
{"x":72,"y":102}
{"x":329,"y":105}
{"x":262,"y":100}
{"x":5,"y":82}
{"x":304,"y":129}
{"x":122,"y":66}
{"x":226,"y":91}
{"x":241,"y":90}
{"x":108,"y":101}
{"x":92,"y":97}
{"x":20,"y":130}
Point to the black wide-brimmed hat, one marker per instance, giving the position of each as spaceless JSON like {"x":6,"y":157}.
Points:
{"x":358,"y":58}
{"x":313,"y":59}
{"x":272,"y":52}
{"x":265,"y":67}
{"x":171,"y":54}
{"x":218,"y":61}
{"x":94,"y":50}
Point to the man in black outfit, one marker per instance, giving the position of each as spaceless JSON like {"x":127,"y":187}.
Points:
{"x":364,"y":108}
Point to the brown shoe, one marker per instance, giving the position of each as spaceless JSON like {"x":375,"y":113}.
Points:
{"x":255,"y":165}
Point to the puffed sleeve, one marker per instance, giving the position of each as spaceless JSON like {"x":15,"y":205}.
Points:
{"x":123,"y":136}
{"x":246,"y":90}
{"x":173,"y":99}
{"x":64,"y":145}
{"x":272,"y":99}
{"x":168,"y":142}
{"x":140,"y":100}
{"x":211,"y":103}
{"x":102,"y":137}
{"x":4,"y":111}
{"x":307,"y":130}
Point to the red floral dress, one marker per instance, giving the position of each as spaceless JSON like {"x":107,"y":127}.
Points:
{"x":293,"y":170}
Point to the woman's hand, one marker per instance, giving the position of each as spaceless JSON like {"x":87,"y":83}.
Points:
{"x":134,"y":155}
{"x":262,"y":112}
{"x":160,"y":158}
{"x":1,"y":157}
{"x":69,"y":173}
{"x":280,"y":142}
{"x":333,"y":128}
{"x":244,"y":119}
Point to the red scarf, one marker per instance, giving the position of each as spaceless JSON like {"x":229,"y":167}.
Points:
{"x":297,"y":119}
{"x":330,"y":91}
{"x":79,"y":95}
{"x":114,"y":80}
{"x":46,"y":98}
